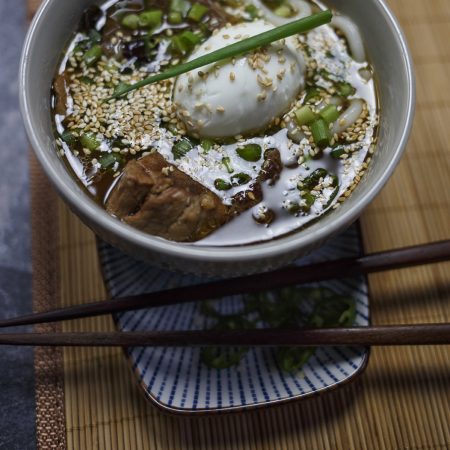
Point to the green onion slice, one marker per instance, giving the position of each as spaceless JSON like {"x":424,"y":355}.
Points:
{"x":329,"y":113}
{"x":226,"y":161}
{"x":181,"y":148}
{"x":89,"y":141}
{"x":240,"y":179}
{"x":250,"y":152}
{"x":304,"y":116}
{"x":197,"y":12}
{"x":150,"y":18}
{"x":321,"y":133}
{"x":222,"y":185}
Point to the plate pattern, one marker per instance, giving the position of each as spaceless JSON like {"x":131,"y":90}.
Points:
{"x":176,"y":379}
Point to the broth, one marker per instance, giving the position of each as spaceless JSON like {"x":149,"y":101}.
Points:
{"x":97,"y":139}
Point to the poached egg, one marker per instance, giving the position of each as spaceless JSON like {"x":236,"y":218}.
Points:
{"x":244,"y":94}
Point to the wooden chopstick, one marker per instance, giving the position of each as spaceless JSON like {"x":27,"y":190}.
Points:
{"x":348,"y":267}
{"x":429,"y":334}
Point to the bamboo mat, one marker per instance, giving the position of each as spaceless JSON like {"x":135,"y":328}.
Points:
{"x":87,"y":398}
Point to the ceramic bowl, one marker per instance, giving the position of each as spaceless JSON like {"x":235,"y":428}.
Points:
{"x":51,"y":29}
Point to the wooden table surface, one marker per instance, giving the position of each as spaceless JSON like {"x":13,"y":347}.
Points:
{"x":402,"y":401}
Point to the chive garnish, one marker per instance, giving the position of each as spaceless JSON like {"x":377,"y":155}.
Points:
{"x":250,"y":152}
{"x":304,"y":116}
{"x":238,"y":48}
{"x":321,"y":133}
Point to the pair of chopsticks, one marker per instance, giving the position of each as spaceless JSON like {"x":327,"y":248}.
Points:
{"x":418,"y":334}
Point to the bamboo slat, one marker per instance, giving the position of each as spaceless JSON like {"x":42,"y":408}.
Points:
{"x":402,"y":401}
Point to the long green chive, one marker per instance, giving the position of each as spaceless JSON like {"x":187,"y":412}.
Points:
{"x":304,"y":116}
{"x":238,"y":48}
{"x":321,"y":133}
{"x":120,"y":88}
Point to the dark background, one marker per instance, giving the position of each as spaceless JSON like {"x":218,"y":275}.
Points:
{"x":17,"y":408}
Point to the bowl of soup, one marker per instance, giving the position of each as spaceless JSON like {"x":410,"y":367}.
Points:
{"x":236,"y":167}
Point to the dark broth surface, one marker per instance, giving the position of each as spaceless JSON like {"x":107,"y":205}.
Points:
{"x":97,"y":139}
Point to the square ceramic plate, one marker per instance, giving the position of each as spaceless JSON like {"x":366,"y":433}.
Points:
{"x":176,"y":380}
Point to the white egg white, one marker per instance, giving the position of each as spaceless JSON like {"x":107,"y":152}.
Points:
{"x":244,"y":94}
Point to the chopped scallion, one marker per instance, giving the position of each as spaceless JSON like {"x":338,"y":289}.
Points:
{"x":240,"y":178}
{"x":310,"y":94}
{"x":191,"y":37}
{"x":304,"y":116}
{"x":309,"y":200}
{"x":93,"y":55}
{"x":151,"y":19}
{"x":185,"y":42}
{"x":181,"y":148}
{"x":222,"y":185}
{"x":68,"y":137}
{"x":329,"y":113}
{"x":226,"y":161}
{"x":311,"y":181}
{"x":109,"y":159}
{"x":337,"y":152}
{"x":252,"y":11}
{"x":345,"y":89}
{"x":95,"y":36}
{"x":131,"y":21}
{"x":197,"y":12}
{"x":283,"y":10}
{"x":89,"y":141}
{"x":321,"y":133}
{"x":175,"y":18}
{"x":180,"y":6}
{"x":206,"y":144}
{"x":250,"y":152}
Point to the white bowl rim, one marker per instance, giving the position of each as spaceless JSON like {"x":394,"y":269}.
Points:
{"x":227,"y":254}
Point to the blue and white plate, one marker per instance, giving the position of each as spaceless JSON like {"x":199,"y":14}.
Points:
{"x":175,"y":378}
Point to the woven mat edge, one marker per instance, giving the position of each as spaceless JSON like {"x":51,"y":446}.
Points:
{"x":48,"y":361}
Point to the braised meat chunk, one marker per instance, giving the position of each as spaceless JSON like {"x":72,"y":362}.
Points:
{"x":156,"y":197}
